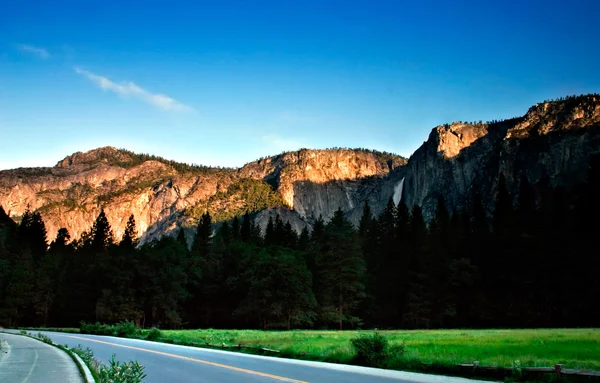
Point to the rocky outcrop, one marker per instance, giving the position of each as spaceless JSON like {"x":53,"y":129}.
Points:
{"x":318,"y":182}
{"x":550,"y":145}
{"x":165,"y":196}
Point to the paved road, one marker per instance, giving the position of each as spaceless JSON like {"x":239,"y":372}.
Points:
{"x":26,"y":360}
{"x":174,"y":364}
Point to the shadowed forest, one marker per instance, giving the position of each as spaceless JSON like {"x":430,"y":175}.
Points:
{"x":533,"y":263}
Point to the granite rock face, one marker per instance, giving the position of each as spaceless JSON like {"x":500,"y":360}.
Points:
{"x":550,"y":145}
{"x":318,"y":182}
{"x":161,"y":194}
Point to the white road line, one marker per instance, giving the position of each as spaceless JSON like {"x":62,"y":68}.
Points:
{"x":32,"y":367}
{"x":406,"y":376}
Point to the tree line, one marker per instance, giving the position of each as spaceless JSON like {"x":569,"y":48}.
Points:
{"x":533,"y":262}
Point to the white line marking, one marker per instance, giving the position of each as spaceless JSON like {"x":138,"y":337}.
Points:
{"x":32,"y":367}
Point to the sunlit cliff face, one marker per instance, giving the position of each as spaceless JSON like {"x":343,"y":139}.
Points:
{"x":551,"y":144}
{"x":72,"y":193}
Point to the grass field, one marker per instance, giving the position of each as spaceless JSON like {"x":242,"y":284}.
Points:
{"x":574,"y":348}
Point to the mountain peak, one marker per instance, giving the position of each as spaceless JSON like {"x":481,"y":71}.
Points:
{"x":106,"y":154}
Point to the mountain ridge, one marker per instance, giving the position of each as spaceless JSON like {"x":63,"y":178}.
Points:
{"x":549,"y":144}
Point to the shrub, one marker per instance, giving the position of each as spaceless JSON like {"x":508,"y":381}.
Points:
{"x":131,"y":372}
{"x":370,"y":350}
{"x":44,"y":338}
{"x":86,"y":355}
{"x":153,"y":334}
{"x":23,"y":332}
{"x":395,"y":356}
{"x":126,"y":330}
{"x":95,"y":329}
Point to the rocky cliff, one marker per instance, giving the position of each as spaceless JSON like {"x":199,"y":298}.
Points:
{"x":164,"y":195}
{"x":550,"y":145}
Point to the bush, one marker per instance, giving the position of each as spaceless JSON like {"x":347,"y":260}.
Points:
{"x":126,"y":330}
{"x":86,"y":355}
{"x":95,"y":329}
{"x":44,"y":338}
{"x":122,"y":329}
{"x":370,"y":350}
{"x":153,"y":334}
{"x":395,"y":356}
{"x":131,"y":372}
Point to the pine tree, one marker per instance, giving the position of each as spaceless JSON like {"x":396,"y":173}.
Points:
{"x":24,"y":226}
{"x":500,"y":275}
{"x":38,"y":241}
{"x":402,"y":224}
{"x":235,"y":228}
{"x":342,"y":272}
{"x":438,"y":261}
{"x":418,"y":308}
{"x":386,"y":263}
{"x":20,"y":292}
{"x":478,"y":223}
{"x":58,"y":261}
{"x":202,"y":239}
{"x":255,"y":234}
{"x":270,"y":233}
{"x":587,"y":211}
{"x":366,"y":220}
{"x":318,"y":231}
{"x":101,"y":234}
{"x":290,"y":238}
{"x":279,"y":231}
{"x":61,"y":241}
{"x":129,"y":239}
{"x":32,"y":234}
{"x":369,"y":235}
{"x":163,"y":268}
{"x":245,"y":230}
{"x":441,"y":222}
{"x":503,"y":208}
{"x":181,"y":238}
{"x":289,"y":301}
{"x":526,"y":207}
{"x":225,"y":233}
{"x":304,"y":239}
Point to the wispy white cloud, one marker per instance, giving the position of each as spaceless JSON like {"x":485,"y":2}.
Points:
{"x":37,"y":51}
{"x":130,"y":89}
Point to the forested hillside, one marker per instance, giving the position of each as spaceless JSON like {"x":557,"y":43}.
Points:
{"x":533,"y":263}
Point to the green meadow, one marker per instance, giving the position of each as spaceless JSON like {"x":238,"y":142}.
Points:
{"x":574,"y":348}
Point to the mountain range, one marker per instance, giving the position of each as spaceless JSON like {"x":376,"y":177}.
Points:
{"x":550,"y":145}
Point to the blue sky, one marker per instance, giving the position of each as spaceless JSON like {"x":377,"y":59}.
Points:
{"x":226,"y":82}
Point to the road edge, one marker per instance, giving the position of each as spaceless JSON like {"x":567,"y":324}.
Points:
{"x":406,"y":376}
{"x":83,"y":368}
{"x":86,"y":370}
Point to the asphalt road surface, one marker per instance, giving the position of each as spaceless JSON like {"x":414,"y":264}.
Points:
{"x":179,"y":364}
{"x":26,"y":360}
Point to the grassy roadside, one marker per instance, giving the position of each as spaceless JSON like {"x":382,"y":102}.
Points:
{"x":574,"y":348}
{"x":432,"y":351}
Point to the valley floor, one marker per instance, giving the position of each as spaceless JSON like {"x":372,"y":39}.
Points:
{"x":431,"y":351}
{"x":574,"y":348}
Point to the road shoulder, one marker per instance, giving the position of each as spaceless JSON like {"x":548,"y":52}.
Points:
{"x":33,"y":361}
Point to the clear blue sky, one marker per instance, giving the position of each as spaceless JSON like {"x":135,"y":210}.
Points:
{"x":226,"y":82}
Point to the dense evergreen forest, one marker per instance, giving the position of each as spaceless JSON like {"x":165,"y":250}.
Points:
{"x":534,"y":262}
